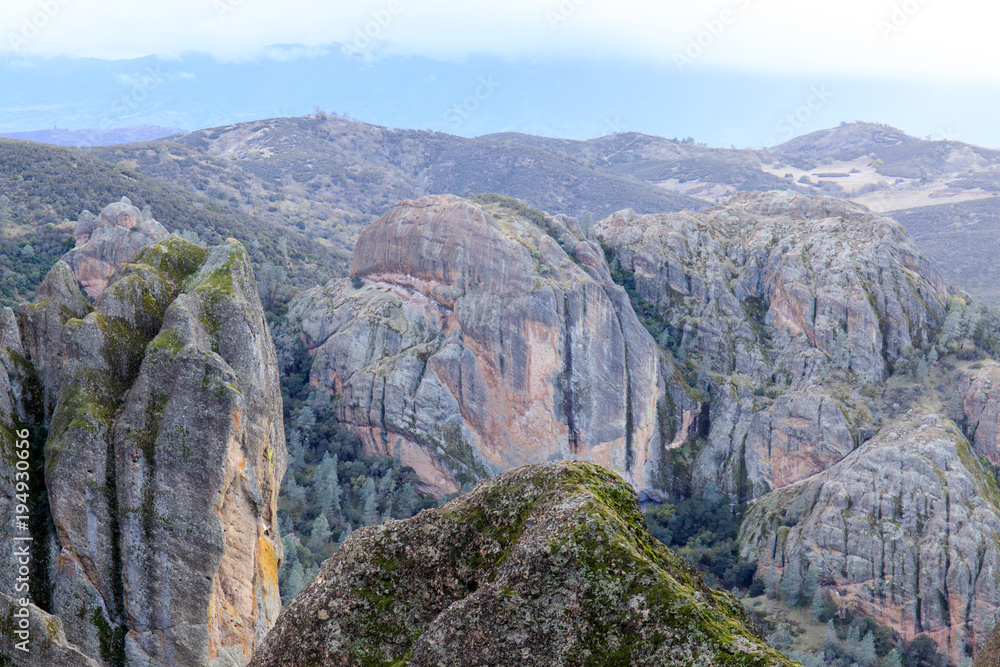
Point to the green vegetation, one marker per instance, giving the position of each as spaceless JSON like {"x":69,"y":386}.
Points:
{"x":331,"y":487}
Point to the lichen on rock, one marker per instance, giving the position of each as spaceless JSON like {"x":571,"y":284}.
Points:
{"x":545,"y":564}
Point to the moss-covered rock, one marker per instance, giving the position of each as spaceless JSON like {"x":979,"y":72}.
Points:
{"x":546,"y":564}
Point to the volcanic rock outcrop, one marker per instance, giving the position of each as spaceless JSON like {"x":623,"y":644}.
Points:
{"x":163,"y":456}
{"x":768,"y":296}
{"x":105,"y":242}
{"x":905,"y":529}
{"x":547,"y":564}
{"x":473,"y":339}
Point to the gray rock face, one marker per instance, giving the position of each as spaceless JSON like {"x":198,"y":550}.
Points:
{"x":980,"y":389}
{"x":106,"y":242}
{"x":46,"y":644}
{"x":479,"y":341}
{"x":548,"y":564}
{"x":164,"y":454}
{"x":905,"y":528}
{"x":774,"y":292}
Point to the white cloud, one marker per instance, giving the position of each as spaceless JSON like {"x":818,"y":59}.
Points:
{"x":918,"y":39}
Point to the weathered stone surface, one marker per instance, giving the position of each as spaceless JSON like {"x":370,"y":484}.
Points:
{"x":479,"y":341}
{"x":548,"y":564}
{"x":989,"y":655}
{"x":905,"y":528}
{"x":164,"y":454}
{"x":106,"y":242}
{"x":46,"y":642}
{"x":767,"y":296}
{"x":980,"y":389}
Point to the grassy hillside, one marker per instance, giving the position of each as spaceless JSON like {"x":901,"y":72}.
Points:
{"x":45,"y":187}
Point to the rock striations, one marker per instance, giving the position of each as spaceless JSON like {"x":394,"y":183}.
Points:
{"x":766,"y":297}
{"x":475,"y":338}
{"x":906,"y":528}
{"x":163,"y":455}
{"x":548,"y":564}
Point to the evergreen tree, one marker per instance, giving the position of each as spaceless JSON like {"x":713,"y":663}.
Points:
{"x":790,"y":581}
{"x":295,"y":583}
{"x":920,"y":375}
{"x":830,"y":638}
{"x":810,"y":587}
{"x":817,"y":605}
{"x":320,"y":535}
{"x":771,"y":581}
{"x":866,"y":651}
{"x":369,"y":501}
{"x":892,"y":659}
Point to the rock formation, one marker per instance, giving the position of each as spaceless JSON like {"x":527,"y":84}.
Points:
{"x":548,"y":564}
{"x":164,"y":454}
{"x":473,"y":339}
{"x":980,"y":391}
{"x":989,"y":655}
{"x":767,"y":296}
{"x":905,"y":529}
{"x":106,"y":242}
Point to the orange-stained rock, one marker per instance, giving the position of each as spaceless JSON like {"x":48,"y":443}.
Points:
{"x":480,"y":341}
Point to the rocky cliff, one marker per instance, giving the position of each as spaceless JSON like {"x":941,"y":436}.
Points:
{"x":105,"y":242}
{"x":160,"y":413}
{"x":789,"y":309}
{"x":549,"y":564}
{"x":474,"y":338}
{"x":989,"y":656}
{"x":905,"y":528}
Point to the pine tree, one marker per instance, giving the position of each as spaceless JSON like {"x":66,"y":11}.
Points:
{"x":810,"y":587}
{"x":830,"y":638}
{"x":295,"y":583}
{"x":920,"y":375}
{"x":369,"y":503}
{"x":790,"y":582}
{"x":320,"y":536}
{"x":866,"y":651}
{"x":771,"y":581}
{"x":817,"y":605}
{"x":892,"y":659}
{"x":853,"y":640}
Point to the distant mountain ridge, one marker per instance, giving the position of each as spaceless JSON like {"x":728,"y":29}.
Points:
{"x":96,"y":136}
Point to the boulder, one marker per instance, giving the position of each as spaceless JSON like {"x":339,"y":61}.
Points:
{"x":545,"y":564}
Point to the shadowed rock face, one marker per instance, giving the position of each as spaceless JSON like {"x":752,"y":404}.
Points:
{"x":904,"y":528}
{"x":478,"y":341}
{"x":548,"y":564}
{"x":774,"y":291}
{"x":164,"y":454}
{"x":106,"y":242}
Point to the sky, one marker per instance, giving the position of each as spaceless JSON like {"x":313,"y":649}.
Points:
{"x":746,"y":73}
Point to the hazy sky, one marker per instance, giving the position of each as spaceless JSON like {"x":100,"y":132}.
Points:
{"x":571,"y":67}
